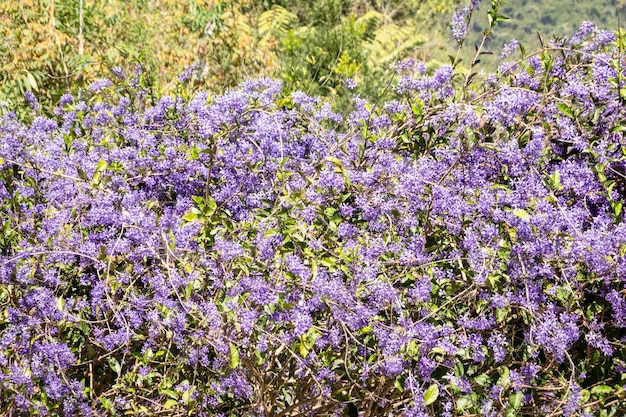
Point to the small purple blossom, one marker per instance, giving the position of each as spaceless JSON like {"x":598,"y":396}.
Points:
{"x":119,"y":73}
{"x":31,"y":99}
{"x":459,"y":23}
{"x":187,"y":73}
{"x":99,"y":85}
{"x":509,"y":48}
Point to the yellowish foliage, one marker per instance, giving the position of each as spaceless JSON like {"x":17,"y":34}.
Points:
{"x":41,"y":42}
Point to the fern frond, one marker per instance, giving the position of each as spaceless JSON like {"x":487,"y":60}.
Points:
{"x":391,"y":41}
{"x":369,"y":22}
{"x":371,"y":15}
{"x":277,"y":20}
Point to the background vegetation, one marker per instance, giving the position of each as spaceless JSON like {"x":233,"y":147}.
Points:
{"x":313,"y":46}
{"x":552,"y":18}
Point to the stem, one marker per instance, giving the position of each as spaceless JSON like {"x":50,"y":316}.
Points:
{"x":81,"y":39}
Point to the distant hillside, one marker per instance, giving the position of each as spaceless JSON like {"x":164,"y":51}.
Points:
{"x":549,"y":18}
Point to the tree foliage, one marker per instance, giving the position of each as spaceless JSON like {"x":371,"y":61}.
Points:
{"x":311,"y":46}
{"x":41,"y":47}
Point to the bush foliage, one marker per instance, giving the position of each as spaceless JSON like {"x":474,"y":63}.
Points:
{"x":459,"y":249}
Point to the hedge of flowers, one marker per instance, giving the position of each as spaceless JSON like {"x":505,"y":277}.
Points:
{"x":458,"y":250}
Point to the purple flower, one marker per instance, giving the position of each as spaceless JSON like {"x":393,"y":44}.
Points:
{"x":509,"y":48}
{"x":459,"y":23}
{"x":302,"y":322}
{"x":586,"y":29}
{"x":306,"y":102}
{"x":31,"y":99}
{"x":99,"y":85}
{"x":295,"y":266}
{"x":187,"y":73}
{"x":555,"y":333}
{"x":498,"y":344}
{"x":119,"y":73}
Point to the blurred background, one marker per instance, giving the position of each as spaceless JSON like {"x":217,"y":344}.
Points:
{"x":51,"y":47}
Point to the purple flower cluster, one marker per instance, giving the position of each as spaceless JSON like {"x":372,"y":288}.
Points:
{"x":461,"y":19}
{"x":248,"y":254}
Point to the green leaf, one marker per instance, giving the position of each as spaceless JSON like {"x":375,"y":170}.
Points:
{"x":464,"y":403}
{"x":311,"y":336}
{"x":60,"y":303}
{"x":327,"y":262}
{"x":504,"y":381}
{"x":82,"y":175}
{"x":171,"y":393}
{"x":399,"y":383}
{"x":601,"y":390}
{"x":482,"y":380}
{"x":413,"y":349}
{"x":115,"y":365}
{"x":277,"y":19}
{"x":106,"y":403}
{"x":102,"y":165}
{"x":234,"y":356}
{"x":211,"y":206}
{"x":187,"y":395}
{"x":596,"y":114}
{"x":190,"y":217}
{"x":334,"y":160}
{"x":170,"y":403}
{"x":304,"y":351}
{"x":314,"y":269}
{"x":431,"y":394}
{"x":32,"y":81}
{"x":584,"y":396}
{"x":522,"y":214}
{"x":438,"y":350}
{"x":617,"y":208}
{"x":555,"y":179}
{"x":515,"y":402}
{"x":565,"y":109}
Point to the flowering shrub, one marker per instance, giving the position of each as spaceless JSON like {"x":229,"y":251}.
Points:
{"x":459,"y":250}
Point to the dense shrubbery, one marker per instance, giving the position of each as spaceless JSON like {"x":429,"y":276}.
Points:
{"x":459,"y":250}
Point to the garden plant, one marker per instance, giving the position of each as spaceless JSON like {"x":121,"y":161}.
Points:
{"x":456,"y":250}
